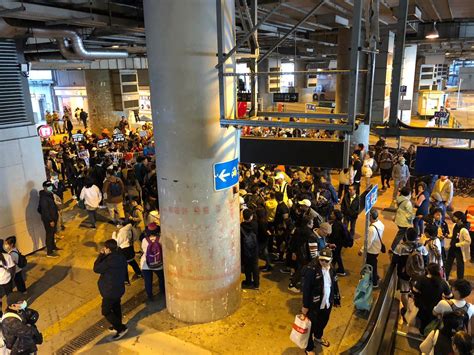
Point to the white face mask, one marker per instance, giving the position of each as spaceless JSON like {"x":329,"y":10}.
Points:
{"x":23,"y":306}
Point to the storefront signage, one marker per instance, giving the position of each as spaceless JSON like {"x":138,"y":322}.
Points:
{"x":285,"y":97}
{"x":45,"y":131}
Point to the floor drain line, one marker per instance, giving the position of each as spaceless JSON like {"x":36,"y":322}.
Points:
{"x":98,"y":328}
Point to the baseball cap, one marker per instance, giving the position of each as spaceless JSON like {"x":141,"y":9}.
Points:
{"x":325,"y":254}
{"x":280,"y":176}
{"x":305,"y":202}
{"x":326,"y":227}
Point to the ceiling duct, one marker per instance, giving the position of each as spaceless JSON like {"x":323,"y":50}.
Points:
{"x":69,"y":42}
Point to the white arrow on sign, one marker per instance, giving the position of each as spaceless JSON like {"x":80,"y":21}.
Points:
{"x":223,"y":175}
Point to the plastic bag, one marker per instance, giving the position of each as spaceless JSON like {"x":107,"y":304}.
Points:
{"x":301,"y":331}
{"x":363,"y":292}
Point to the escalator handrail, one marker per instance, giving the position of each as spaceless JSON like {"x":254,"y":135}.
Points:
{"x":374,"y":315}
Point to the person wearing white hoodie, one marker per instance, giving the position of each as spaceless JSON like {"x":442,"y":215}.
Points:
{"x":124,"y":238}
{"x":91,"y":196}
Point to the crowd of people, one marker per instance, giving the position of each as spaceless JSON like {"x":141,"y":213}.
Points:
{"x":292,"y":216}
{"x":296,"y":217}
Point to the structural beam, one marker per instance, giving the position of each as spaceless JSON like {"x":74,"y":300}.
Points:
{"x":293,"y":29}
{"x":355,"y":57}
{"x":247,"y":36}
{"x":398,"y":62}
{"x":424,"y":132}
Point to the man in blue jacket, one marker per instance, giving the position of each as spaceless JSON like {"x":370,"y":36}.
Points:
{"x":320,"y":294}
{"x":112,"y":267}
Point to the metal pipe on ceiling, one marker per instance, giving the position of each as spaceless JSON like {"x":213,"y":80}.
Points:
{"x":77,"y":46}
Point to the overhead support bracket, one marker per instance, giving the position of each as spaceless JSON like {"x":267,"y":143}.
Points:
{"x":247,"y":36}
{"x":293,"y":29}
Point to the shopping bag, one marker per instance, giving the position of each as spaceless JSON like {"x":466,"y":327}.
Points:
{"x":363,"y":292}
{"x":301,"y":331}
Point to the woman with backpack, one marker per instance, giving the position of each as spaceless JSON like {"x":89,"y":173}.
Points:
{"x":151,"y":262}
{"x":428,"y":291}
{"x":20,"y":261}
{"x":7,"y":272}
{"x":459,"y":248}
{"x":439,"y":341}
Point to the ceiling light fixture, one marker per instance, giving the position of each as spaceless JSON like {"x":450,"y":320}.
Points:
{"x":433,"y":33}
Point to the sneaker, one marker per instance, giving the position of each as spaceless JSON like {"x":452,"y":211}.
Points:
{"x":111,"y":329}
{"x":285,"y":270}
{"x":342,"y":274}
{"x":375,"y":286}
{"x":267,"y":268}
{"x":120,"y":335}
{"x":52,"y":255}
{"x":293,"y":289}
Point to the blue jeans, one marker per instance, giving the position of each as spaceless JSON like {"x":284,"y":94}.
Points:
{"x":148,"y":278}
{"x":419,"y":225}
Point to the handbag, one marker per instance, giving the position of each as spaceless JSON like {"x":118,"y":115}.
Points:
{"x":383,"y":249}
{"x":301,"y":331}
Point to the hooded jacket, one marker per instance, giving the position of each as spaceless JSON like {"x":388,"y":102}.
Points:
{"x":404,"y":215}
{"x":113,"y":270}
{"x":47,"y":208}
{"x":249,"y":244}
{"x":20,"y":338}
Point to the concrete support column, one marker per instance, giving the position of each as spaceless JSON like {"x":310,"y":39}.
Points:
{"x":343,"y":62}
{"x":22,"y":169}
{"x":361,"y":135}
{"x":100,"y":100}
{"x":262,"y":82}
{"x":200,"y":227}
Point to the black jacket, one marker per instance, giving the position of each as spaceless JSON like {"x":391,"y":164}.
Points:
{"x":248,"y":240}
{"x":21,"y":336}
{"x":349,"y":209}
{"x":313,"y":286}
{"x":113,"y":270}
{"x":47,"y":208}
{"x":338,"y":234}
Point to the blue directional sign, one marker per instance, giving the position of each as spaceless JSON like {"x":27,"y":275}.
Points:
{"x":226,"y":174}
{"x":371,"y":198}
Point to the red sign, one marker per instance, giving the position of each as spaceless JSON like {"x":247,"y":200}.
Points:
{"x":241,"y":109}
{"x":45,"y":131}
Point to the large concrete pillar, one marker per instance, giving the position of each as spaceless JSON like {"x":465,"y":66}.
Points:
{"x":262,"y":82}
{"x":21,"y":160}
{"x":100,"y":97}
{"x":200,"y":227}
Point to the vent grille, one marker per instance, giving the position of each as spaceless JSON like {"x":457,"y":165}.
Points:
{"x":12,"y":100}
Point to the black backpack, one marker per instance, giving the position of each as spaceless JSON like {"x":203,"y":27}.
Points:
{"x":249,"y":243}
{"x":462,"y":310}
{"x":22,"y":262}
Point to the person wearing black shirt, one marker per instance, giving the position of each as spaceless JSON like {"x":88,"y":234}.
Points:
{"x":357,"y":166}
{"x":350,"y":208}
{"x":337,"y":237}
{"x":282,"y":214}
{"x":428,"y":291}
